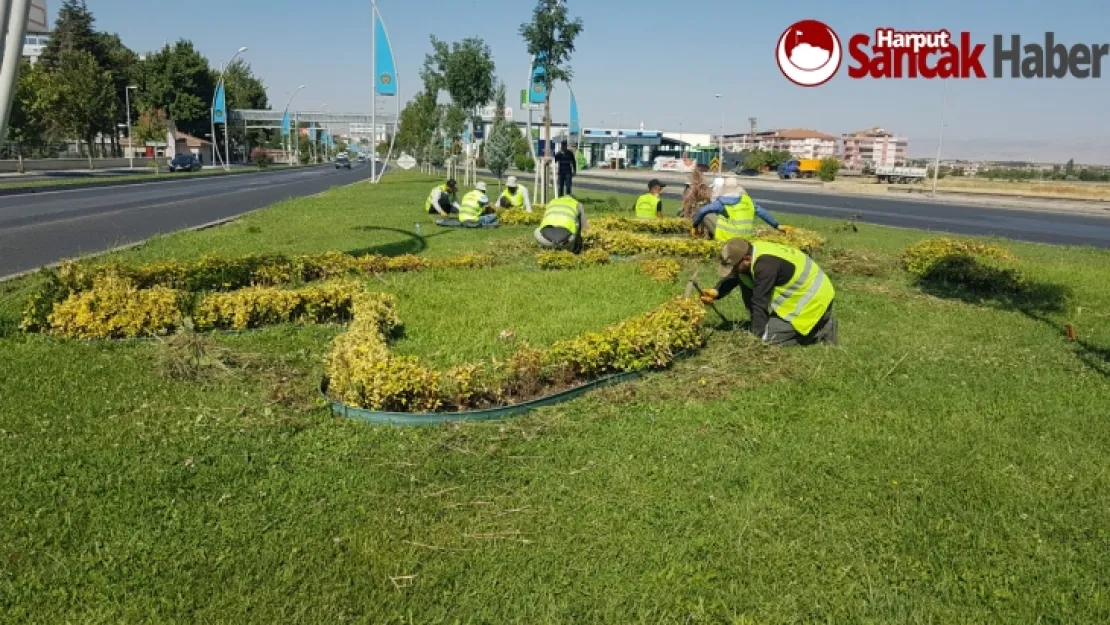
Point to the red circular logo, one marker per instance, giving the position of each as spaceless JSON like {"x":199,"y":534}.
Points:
{"x":809,"y":53}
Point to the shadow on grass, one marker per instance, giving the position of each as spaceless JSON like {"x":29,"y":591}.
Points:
{"x":412,"y":244}
{"x":971,"y":281}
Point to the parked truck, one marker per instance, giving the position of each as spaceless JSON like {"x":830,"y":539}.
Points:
{"x":799,"y":168}
{"x":901,"y":175}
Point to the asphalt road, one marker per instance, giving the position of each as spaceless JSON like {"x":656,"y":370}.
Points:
{"x":45,"y":227}
{"x":1055,"y":227}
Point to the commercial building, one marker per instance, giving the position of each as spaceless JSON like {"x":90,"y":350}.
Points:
{"x":874,"y":147}
{"x":38,"y":31}
{"x":800,"y":142}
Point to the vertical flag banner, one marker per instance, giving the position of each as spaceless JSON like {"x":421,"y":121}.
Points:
{"x":538,"y":92}
{"x":219,"y":111}
{"x":386,"y":81}
{"x":573,"y":126}
{"x":285,"y":124}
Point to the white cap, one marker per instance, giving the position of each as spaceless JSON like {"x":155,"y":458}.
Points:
{"x":511,"y":182}
{"x":481,"y":186}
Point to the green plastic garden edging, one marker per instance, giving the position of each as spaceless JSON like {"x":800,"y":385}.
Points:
{"x":490,"y":414}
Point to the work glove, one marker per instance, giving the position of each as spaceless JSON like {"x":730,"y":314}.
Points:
{"x":708,"y":296}
{"x":786,"y":229}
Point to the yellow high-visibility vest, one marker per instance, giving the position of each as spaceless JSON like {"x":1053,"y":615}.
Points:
{"x":802,"y":301}
{"x":515,"y":200}
{"x":562,"y":213}
{"x":432,"y":196}
{"x":470,"y":209}
{"x":646,"y":205}
{"x":738,"y":220}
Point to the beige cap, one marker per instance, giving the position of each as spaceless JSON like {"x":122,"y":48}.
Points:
{"x":732,"y":253}
{"x":511,"y":182}
{"x":481,"y":186}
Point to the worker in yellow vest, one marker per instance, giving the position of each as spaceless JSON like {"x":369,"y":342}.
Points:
{"x":731,"y":214}
{"x":515,"y":196}
{"x":443,"y":199}
{"x":789,"y":298}
{"x":475,"y":210}
{"x":648,"y":205}
{"x":564,"y":222}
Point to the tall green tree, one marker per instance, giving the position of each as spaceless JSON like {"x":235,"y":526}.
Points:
{"x":177,"y":80}
{"x":465,"y":70}
{"x":550,"y":39}
{"x":244,"y":91}
{"x":418,"y":125}
{"x":73,"y":32}
{"x":76,"y":98}
{"x":500,"y":147}
{"x":26,"y":127}
{"x":121,"y":63}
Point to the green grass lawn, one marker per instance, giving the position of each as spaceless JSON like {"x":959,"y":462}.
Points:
{"x":946,"y":464}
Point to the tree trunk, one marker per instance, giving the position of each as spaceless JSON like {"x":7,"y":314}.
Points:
{"x":91,"y":143}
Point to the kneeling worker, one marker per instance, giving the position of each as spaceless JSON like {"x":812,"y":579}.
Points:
{"x":443,"y":200}
{"x":732,"y":213}
{"x":515,"y":196}
{"x":564,"y":222}
{"x":475,"y":209}
{"x":648,"y":205}
{"x":789,"y":298}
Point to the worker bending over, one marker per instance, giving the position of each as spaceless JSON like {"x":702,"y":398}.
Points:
{"x":648,"y":205}
{"x":731,"y":214}
{"x":789,"y":298}
{"x":475,"y":209}
{"x":515,"y":196}
{"x":564,"y":222}
{"x":443,"y":200}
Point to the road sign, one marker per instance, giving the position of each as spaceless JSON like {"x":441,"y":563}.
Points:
{"x":406,"y":162}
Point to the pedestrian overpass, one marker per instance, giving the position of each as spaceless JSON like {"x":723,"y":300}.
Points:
{"x":337,"y":123}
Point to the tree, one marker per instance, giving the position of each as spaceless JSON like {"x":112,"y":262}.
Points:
{"x":500,"y":148}
{"x":452,"y":121}
{"x":177,"y":80}
{"x":73,"y":32}
{"x":418,"y":125}
{"x":1069,"y":168}
{"x":828,"y":169}
{"x":151,"y":127}
{"x":243,"y":91}
{"x":26,"y":128}
{"x":77,"y":98}
{"x":550,"y":39}
{"x":465,"y":70}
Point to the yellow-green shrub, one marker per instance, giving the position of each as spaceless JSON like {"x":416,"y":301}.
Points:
{"x":562,"y":259}
{"x":324,"y":266}
{"x":643,"y":342}
{"x":254,"y":307}
{"x":978,"y":267}
{"x":807,"y":241}
{"x":661,"y":269}
{"x":518,"y":217}
{"x":114,"y":308}
{"x":629,"y":244}
{"x":922,"y":257}
{"x":666,"y":225}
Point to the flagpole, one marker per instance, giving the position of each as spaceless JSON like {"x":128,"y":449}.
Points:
{"x":374,"y":91}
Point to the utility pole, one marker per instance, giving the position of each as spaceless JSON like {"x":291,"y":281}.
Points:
{"x":374,"y":90}
{"x":13,"y":28}
{"x":721,"y":141}
{"x":940,"y":139}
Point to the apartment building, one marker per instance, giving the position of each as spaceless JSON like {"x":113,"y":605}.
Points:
{"x":800,"y":142}
{"x":874,"y":147}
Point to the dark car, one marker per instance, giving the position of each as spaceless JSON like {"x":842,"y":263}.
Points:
{"x":185,"y":162}
{"x":342,"y":161}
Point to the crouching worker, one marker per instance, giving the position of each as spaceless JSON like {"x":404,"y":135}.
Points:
{"x":443,"y":200}
{"x":789,"y":298}
{"x":731,"y":214}
{"x":648,"y":205}
{"x":515,"y":196}
{"x":475,"y":210}
{"x":564,"y":222}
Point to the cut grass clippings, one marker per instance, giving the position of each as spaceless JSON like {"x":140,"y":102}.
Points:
{"x":946,"y":464}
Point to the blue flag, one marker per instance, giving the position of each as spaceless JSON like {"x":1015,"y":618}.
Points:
{"x":219,"y":110}
{"x":385,"y":83}
{"x":574,"y":127}
{"x":285,"y":124}
{"x":537,"y":94}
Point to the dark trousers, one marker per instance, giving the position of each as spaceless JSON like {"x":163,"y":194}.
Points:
{"x":444,"y":204}
{"x":564,"y":184}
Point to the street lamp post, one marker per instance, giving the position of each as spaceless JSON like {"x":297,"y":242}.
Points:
{"x":617,"y":160}
{"x":130,"y":139}
{"x":284,"y":116}
{"x":940,"y":139}
{"x":327,"y":129}
{"x":721,"y":141}
{"x":220,"y":83}
{"x":681,"y":143}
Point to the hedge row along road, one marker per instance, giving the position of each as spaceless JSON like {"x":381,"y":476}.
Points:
{"x":43,"y":228}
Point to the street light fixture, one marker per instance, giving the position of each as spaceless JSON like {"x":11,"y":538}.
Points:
{"x":285,"y":114}
{"x":721,"y":141}
{"x":130,"y":140}
{"x":227,"y":122}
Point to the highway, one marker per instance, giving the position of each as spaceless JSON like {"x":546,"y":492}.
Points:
{"x":44,"y":227}
{"x":1055,"y":227}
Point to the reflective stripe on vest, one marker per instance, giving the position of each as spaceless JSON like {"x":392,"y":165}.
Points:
{"x":738,"y":220}
{"x":802,"y":301}
{"x":515,"y":201}
{"x":562,"y":213}
{"x":432,"y":195}
{"x":471,"y":206}
{"x":646,"y":205}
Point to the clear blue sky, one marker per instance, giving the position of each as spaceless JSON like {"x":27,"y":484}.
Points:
{"x":662,"y":61}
